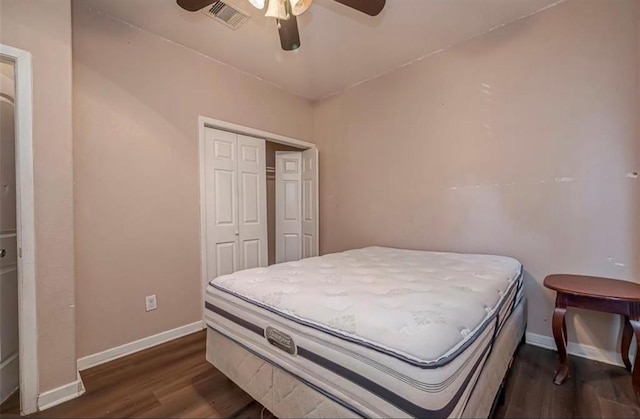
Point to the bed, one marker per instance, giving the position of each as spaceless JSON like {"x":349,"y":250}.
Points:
{"x":373,"y":332}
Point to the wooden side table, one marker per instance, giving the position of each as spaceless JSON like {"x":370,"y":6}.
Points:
{"x":599,"y":294}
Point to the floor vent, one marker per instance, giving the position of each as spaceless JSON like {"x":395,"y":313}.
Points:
{"x":225,"y":14}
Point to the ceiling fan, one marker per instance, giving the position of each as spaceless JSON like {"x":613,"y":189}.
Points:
{"x":285,"y":12}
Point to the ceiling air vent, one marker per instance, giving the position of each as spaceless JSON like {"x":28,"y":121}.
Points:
{"x":225,"y":14}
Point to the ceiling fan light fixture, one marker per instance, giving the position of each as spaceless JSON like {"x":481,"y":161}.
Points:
{"x":284,"y":11}
{"x":258,"y":4}
{"x":277,"y":9}
{"x":298,"y":7}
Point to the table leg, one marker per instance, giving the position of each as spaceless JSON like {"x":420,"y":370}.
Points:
{"x":627,"y":335}
{"x":559,"y":334}
{"x":635,"y":376}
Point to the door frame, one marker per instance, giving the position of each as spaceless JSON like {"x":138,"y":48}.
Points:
{"x":25,"y":227}
{"x":204,"y":123}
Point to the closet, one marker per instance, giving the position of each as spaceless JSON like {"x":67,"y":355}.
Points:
{"x":237,"y":231}
{"x":236,"y":206}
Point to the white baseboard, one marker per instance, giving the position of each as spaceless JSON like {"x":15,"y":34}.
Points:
{"x":9,"y":370}
{"x":577,"y":349}
{"x":138,"y":345}
{"x":61,"y":394}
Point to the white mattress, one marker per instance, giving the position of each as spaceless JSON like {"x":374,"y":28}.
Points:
{"x":287,"y":397}
{"x":383,"y":332}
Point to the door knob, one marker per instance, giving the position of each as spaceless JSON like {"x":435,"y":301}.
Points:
{"x":237,"y":233}
{"x":3,"y":253}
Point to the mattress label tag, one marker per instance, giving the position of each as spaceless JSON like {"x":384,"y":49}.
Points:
{"x":280,"y":340}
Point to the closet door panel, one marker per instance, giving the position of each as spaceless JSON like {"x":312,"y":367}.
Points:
{"x":221,"y":202}
{"x":252,"y":196}
{"x":251,"y":253}
{"x":226,"y":258}
{"x":310,"y":225}
{"x":291,"y":200}
{"x":288,"y":206}
{"x":224,"y":187}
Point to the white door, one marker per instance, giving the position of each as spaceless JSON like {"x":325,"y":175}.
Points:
{"x":221,"y":187}
{"x":9,"y":369}
{"x":288,"y":206}
{"x":310,"y":242}
{"x":252,"y":202}
{"x":296,"y":205}
{"x":236,"y":202}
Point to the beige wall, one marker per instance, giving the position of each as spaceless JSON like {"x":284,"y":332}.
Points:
{"x":137,"y":99}
{"x":43,"y":27}
{"x":518,"y":142}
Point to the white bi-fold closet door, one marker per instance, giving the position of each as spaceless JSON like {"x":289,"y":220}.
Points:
{"x":236,"y":206}
{"x":296,"y":205}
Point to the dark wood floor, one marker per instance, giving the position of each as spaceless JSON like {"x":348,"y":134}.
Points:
{"x":593,"y":390}
{"x":170,"y":380}
{"x":174,"y":380}
{"x":11,"y":405}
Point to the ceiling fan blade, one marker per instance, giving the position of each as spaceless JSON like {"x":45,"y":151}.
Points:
{"x":370,"y":7}
{"x":289,"y":35}
{"x":194,"y":5}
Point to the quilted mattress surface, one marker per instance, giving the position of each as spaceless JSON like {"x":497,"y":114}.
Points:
{"x":381,"y":332}
{"x":423,"y":307}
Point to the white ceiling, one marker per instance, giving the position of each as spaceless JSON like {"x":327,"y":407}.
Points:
{"x":340,"y":46}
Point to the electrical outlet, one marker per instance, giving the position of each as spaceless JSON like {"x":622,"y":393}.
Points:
{"x":151,"y":302}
